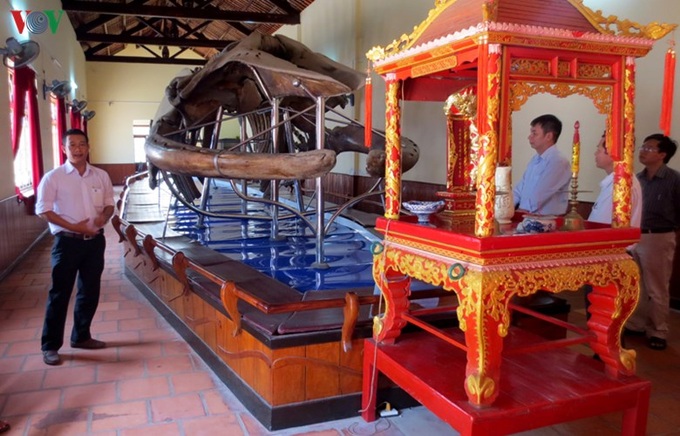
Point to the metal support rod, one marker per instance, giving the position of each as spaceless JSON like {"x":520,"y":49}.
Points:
{"x":244,"y":147}
{"x":205,"y":194}
{"x":289,"y":138}
{"x":320,"y":206}
{"x":274,"y":184}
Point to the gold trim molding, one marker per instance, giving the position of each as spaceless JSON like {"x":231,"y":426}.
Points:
{"x":601,"y":95}
{"x":653,"y":30}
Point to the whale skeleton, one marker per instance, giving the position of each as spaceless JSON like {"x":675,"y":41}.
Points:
{"x":250,"y":75}
{"x":282,"y":91}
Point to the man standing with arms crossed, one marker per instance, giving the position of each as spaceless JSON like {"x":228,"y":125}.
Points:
{"x":655,"y":251}
{"x":76,"y":199}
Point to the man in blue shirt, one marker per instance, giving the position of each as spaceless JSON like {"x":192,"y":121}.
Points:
{"x":544,"y":187}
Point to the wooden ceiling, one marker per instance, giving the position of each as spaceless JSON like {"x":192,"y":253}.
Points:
{"x":167,"y":29}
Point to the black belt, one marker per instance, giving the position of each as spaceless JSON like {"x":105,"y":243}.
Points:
{"x":659,"y":230}
{"x":80,"y":235}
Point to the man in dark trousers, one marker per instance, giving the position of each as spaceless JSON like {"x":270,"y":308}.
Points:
{"x":655,"y":251}
{"x":76,"y":199}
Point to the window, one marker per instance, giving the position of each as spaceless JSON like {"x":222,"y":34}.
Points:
{"x":23,"y":166}
{"x":56,"y":140}
{"x":25,"y":126}
{"x":140,"y":130}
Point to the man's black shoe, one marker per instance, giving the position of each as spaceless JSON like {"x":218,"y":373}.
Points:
{"x":90,"y":344}
{"x":629,"y":332}
{"x":51,"y":357}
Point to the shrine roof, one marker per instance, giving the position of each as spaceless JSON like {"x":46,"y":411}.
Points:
{"x":453,"y":20}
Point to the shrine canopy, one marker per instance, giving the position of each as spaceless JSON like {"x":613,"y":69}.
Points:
{"x":446,"y":43}
{"x":501,"y":52}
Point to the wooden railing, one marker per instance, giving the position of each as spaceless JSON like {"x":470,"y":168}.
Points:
{"x":229,"y":292}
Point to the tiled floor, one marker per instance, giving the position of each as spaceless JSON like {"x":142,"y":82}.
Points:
{"x":149,"y":382}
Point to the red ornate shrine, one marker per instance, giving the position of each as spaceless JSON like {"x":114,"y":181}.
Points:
{"x":485,"y":58}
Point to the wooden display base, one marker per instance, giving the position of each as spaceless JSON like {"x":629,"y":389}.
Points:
{"x":536,"y":389}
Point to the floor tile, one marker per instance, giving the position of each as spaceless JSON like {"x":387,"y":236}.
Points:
{"x":148,"y":381}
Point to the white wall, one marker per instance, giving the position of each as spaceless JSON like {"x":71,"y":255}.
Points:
{"x":121,"y":93}
{"x":345,"y":31}
{"x":60,"y":58}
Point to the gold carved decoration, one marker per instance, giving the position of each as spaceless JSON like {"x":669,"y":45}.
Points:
{"x":623,"y":168}
{"x":406,"y":41}
{"x":480,"y":386}
{"x":475,"y":145}
{"x":627,"y":358}
{"x":601,"y":95}
{"x":375,"y":53}
{"x":506,"y":260}
{"x":653,"y":30}
{"x":594,"y":71}
{"x":495,"y":287}
{"x":541,"y":68}
{"x":490,"y":10}
{"x":434,"y":66}
{"x":451,"y":155}
{"x":484,"y":295}
{"x":486,"y":186}
{"x":534,"y":67}
{"x":393,"y":151}
{"x":563,"y":69}
{"x":610,"y":25}
{"x":464,"y":101}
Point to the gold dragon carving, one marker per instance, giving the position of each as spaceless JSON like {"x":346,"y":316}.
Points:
{"x":601,"y":95}
{"x":612,"y":25}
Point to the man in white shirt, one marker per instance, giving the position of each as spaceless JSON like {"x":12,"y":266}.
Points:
{"x":76,"y":199}
{"x":602,"y":209}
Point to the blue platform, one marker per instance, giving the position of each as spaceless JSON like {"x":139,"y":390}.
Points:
{"x":289,"y":258}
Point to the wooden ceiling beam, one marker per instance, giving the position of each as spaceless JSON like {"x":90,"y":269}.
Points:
{"x":92,"y":50}
{"x":152,"y":40}
{"x":284,"y":6}
{"x":145,"y":60}
{"x":208,"y":13}
{"x":104,"y":18}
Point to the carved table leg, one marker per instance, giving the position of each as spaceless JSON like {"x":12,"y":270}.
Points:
{"x":395,"y":288}
{"x":484,"y":316}
{"x":612,"y":304}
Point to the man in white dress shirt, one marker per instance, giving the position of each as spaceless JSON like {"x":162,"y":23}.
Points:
{"x":602,"y":209}
{"x":76,"y":199}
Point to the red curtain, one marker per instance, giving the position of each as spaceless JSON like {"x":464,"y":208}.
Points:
{"x":84,"y":124}
{"x":26,"y":91}
{"x":20,"y":85}
{"x":75,"y":118}
{"x":61,"y":125}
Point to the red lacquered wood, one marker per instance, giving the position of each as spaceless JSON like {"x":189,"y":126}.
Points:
{"x":492,"y":271}
{"x":537,"y":390}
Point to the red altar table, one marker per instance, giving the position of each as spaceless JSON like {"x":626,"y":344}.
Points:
{"x":485,"y":59}
{"x":485,"y":273}
{"x":536,"y":390}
